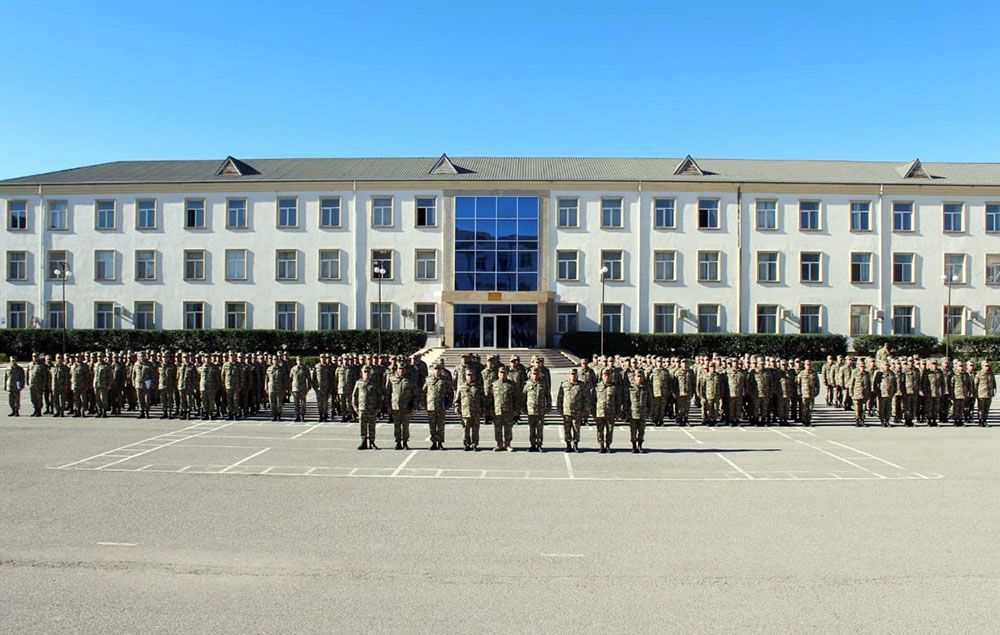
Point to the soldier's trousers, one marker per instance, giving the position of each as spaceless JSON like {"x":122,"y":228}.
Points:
{"x":762,"y":409}
{"x":14,"y":399}
{"x":299,"y":400}
{"x":909,"y":406}
{"x":275,"y":400}
{"x":807,"y":410}
{"x":143,"y":396}
{"x":208,"y":402}
{"x":401,"y":426}
{"x":367,"y":424}
{"x":232,"y":401}
{"x":958,"y":411}
{"x":683,"y":408}
{"x":503,"y":430}
{"x":859,"y":410}
{"x":189,"y":401}
{"x":323,"y":403}
{"x":637,"y":430}
{"x":80,"y":400}
{"x":571,"y":427}
{"x":37,"y":401}
{"x":943,"y":408}
{"x":102,"y":395}
{"x":784,"y":411}
{"x":130,"y":397}
{"x":345,"y":406}
{"x":884,"y":409}
{"x":471,"y":427}
{"x":658,"y":408}
{"x":62,"y":400}
{"x":932,"y":409}
{"x":47,"y":395}
{"x":435,"y":419}
{"x":536,"y":429}
{"x":735,"y":410}
{"x":712,"y":409}
{"x":983,"y":409}
{"x":829,"y":395}
{"x":605,"y":431}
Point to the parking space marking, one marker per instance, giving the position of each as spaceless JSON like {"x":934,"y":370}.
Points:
{"x":307,"y":431}
{"x":405,"y":461}
{"x":831,"y":454}
{"x":693,"y":438}
{"x":735,"y":467}
{"x":153,"y":449}
{"x":241,"y":462}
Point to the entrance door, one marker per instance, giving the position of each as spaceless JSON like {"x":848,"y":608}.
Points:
{"x":503,"y":331}
{"x":487,"y":331}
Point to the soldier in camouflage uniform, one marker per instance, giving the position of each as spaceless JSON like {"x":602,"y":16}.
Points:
{"x":366,"y":399}
{"x":79,"y":382}
{"x":60,"y":387}
{"x":712,"y":388}
{"x":687,"y":384}
{"x":299,"y":384}
{"x":142,"y":379}
{"x":640,"y":407}
{"x":232,"y":380}
{"x":787,"y":394}
{"x":808,"y":382}
{"x":103,"y":375}
{"x":168,"y":387}
{"x":469,"y":404}
{"x":606,"y":410}
{"x":403,"y":400}
{"x":934,"y":389}
{"x":325,"y":380}
{"x":737,"y":381}
{"x":885,"y":388}
{"x":347,"y":375}
{"x":518,"y":374}
{"x":438,"y":397}
{"x":535,"y":405}
{"x":659,"y":381}
{"x":985,"y":388}
{"x":859,"y":389}
{"x":960,"y":391}
{"x":209,"y":375}
{"x":187,"y":382}
{"x":38,"y":384}
{"x":275,"y":381}
{"x":15,"y":384}
{"x":572,"y":403}
{"x":505,"y":404}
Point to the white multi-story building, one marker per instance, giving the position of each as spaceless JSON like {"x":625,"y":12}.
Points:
{"x":507,"y":252}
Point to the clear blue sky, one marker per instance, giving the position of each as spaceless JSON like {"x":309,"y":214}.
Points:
{"x":86,"y":83}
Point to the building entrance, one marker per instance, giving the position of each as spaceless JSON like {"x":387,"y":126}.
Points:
{"x":496,"y":325}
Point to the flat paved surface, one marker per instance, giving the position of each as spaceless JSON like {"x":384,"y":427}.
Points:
{"x":113,"y":525}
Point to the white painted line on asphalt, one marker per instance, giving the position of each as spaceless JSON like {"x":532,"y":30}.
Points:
{"x":693,"y":438}
{"x":307,"y":431}
{"x":871,"y":456}
{"x":403,"y":464}
{"x":272,"y":467}
{"x":160,"y":447}
{"x":569,"y":466}
{"x":831,"y":454}
{"x":562,"y":555}
{"x":118,"y":544}
{"x":241,"y":462}
{"x":735,"y":467}
{"x":125,"y":446}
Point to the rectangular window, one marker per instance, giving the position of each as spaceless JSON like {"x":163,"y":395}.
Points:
{"x":902,"y":217}
{"x":953,"y":320}
{"x":104,"y":215}
{"x":767,"y":318}
{"x":426,"y":212}
{"x":329,"y":316}
{"x":809,"y":216}
{"x":285,"y":314}
{"x":104,"y":315}
{"x":566,"y":265}
{"x":426,"y":317}
{"x":145,"y":264}
{"x":953,"y":213}
{"x":993,"y":320}
{"x":861,"y":320}
{"x":329,"y":264}
{"x":17,"y":265}
{"x":194,"y":264}
{"x":708,"y":213}
{"x":17,"y":315}
{"x":809,"y":318}
{"x":567,"y":318}
{"x":993,"y":218}
{"x":767,"y":266}
{"x":810,"y":267}
{"x":767,"y":215}
{"x":708,"y":318}
{"x":381,"y":264}
{"x":612,"y":261}
{"x":569,"y":213}
{"x":993,"y":269}
{"x":144,"y":315}
{"x":58,"y":215}
{"x":194,"y":315}
{"x":104,"y":265}
{"x":665,"y":266}
{"x":664,"y":213}
{"x":57,"y":315}
{"x":664,"y":318}
{"x":17,"y":215}
{"x":382,"y":211}
{"x":611,"y":213}
{"x":194,"y":214}
{"x":236,"y":315}
{"x":902,"y":320}
{"x":496,"y":243}
{"x":236,"y":264}
{"x":902,"y":269}
{"x":329,"y":212}
{"x":861,"y":268}
{"x":288,"y":212}
{"x":145,"y":214}
{"x":954,"y":268}
{"x":58,"y":264}
{"x":708,"y":266}
{"x":861,"y":220}
{"x":611,"y":318}
{"x":426,"y":264}
{"x":236,"y":213}
{"x":381,"y":315}
{"x":286,"y":263}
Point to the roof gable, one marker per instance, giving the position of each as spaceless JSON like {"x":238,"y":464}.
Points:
{"x":444,"y":165}
{"x":914,"y":170}
{"x":234,"y":167}
{"x":688,"y":167}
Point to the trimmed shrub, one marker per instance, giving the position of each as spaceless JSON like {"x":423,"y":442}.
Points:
{"x":975,"y":346}
{"x":688,"y":345}
{"x":899,"y":345}
{"x":22,"y":342}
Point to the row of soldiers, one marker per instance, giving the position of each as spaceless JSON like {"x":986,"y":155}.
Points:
{"x":910,"y":390}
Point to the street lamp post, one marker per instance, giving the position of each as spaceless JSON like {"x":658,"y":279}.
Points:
{"x":379,"y":273}
{"x":604,"y":275}
{"x":62,"y":274}
{"x":949,"y":280}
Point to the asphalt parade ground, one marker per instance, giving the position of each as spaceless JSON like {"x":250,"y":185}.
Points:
{"x":126,"y":525}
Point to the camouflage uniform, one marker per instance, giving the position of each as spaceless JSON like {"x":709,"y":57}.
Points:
{"x":275,"y":381}
{"x":103,"y":375}
{"x":366,"y":399}
{"x":438,"y":395}
{"x":808,"y":381}
{"x":469,"y":403}
{"x":505,"y":402}
{"x":188,"y":381}
{"x":60,"y":388}
{"x":168,"y":388}
{"x":209,"y":377}
{"x":859,"y":389}
{"x":402,"y":401}
{"x":686,"y":388}
{"x":38,"y":385}
{"x":934,"y":389}
{"x":79,"y":383}
{"x":640,"y":407}
{"x":886,"y":387}
{"x":535,"y":405}
{"x":960,"y":390}
{"x":325,"y":380}
{"x":985,"y":388}
{"x":605,"y":413}
{"x":299,"y":384}
{"x":15,"y":384}
{"x":572,"y":403}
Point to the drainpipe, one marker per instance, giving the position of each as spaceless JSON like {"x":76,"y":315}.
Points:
{"x":43,"y":280}
{"x":642,"y":309}
{"x":739,"y":258}
{"x":359,"y":276}
{"x":885,"y":266}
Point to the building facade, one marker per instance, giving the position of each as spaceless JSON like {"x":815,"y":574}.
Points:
{"x":507,"y":252}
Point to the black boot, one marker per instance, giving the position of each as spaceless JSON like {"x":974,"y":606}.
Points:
{"x":364,"y":444}
{"x":635,"y":448}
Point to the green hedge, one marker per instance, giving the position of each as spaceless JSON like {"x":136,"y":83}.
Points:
{"x":22,"y":342}
{"x":975,"y":346}
{"x":691,"y":344}
{"x":899,"y":345}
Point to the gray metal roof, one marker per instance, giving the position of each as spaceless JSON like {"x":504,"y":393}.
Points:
{"x":521,"y":169}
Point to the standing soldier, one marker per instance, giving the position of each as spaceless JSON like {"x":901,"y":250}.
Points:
{"x":469,"y":402}
{"x":15,"y":384}
{"x":325,"y":375}
{"x":737,"y":392}
{"x":79,"y":382}
{"x":118,"y":379}
{"x":659,"y":380}
{"x":274,"y":384}
{"x":886,"y":387}
{"x":505,"y":404}
{"x":518,"y":374}
{"x":686,"y":384}
{"x":402,"y":401}
{"x":38,"y":383}
{"x":828,"y":379}
{"x":438,"y":396}
{"x":231,"y":380}
{"x":787,"y":395}
{"x":535,"y":404}
{"x":347,"y":376}
{"x":142,"y":379}
{"x":934,"y":389}
{"x":606,"y":410}
{"x":909,"y":387}
{"x":299,"y":385}
{"x":985,"y":389}
{"x":60,"y":387}
{"x":808,"y":382}
{"x":208,"y":374}
{"x":640,"y":405}
{"x":762,"y":382}
{"x":168,"y":387}
{"x":711,"y":395}
{"x":571,"y":403}
{"x":859,"y":389}
{"x":103,"y":375}
{"x":188,"y":380}
{"x":366,"y":399}
{"x":960,"y":391}
{"x":589,"y":379}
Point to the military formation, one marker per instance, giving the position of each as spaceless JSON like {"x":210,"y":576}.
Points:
{"x":603,"y":392}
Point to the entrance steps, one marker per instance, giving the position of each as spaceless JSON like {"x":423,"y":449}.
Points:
{"x":554,"y":357}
